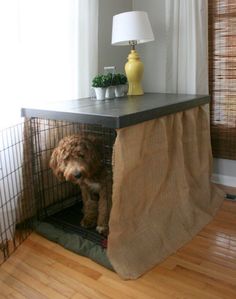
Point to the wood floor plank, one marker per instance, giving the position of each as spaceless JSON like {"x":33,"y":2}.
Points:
{"x":32,"y":283}
{"x":53,"y":285}
{"x":83,"y":261}
{"x":205,"y":233}
{"x":182,"y":286}
{"x":80,"y":296}
{"x":145,"y":287}
{"x":209,"y":271}
{"x":127,"y":289}
{"x":19,"y":286}
{"x":198,"y":259}
{"x":38,"y":262}
{"x":62,"y":259}
{"x":74,"y":270}
{"x":6,"y":291}
{"x":197,"y":255}
{"x":205,"y":268}
{"x":206,"y":283}
{"x":220,"y":243}
{"x":108,"y":291}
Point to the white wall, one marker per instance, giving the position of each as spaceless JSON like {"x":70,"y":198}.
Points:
{"x":153,"y":54}
{"x":224,"y":172}
{"x":109,"y":55}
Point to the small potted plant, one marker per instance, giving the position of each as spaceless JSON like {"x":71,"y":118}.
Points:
{"x":110,"y":92}
{"x":120,"y":82}
{"x":100,"y":84}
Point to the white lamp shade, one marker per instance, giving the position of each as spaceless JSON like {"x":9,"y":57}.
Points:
{"x":131,"y":26}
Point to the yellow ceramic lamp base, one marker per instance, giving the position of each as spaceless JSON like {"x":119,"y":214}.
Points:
{"x":134,"y":72}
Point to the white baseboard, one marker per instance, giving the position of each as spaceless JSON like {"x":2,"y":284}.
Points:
{"x":224,"y":180}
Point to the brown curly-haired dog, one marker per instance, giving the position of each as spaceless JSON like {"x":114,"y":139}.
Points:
{"x":79,"y":159}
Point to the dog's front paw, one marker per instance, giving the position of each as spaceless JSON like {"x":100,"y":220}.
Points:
{"x":88,"y":222}
{"x":102,"y":230}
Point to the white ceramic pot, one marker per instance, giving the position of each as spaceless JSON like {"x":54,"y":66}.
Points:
{"x":126,"y":88}
{"x":119,"y":91}
{"x":110,"y":92}
{"x":100,"y":93}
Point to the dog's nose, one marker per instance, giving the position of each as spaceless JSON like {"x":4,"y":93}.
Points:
{"x":78,"y":175}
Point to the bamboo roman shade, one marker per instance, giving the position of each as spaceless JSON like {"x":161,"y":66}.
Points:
{"x":222,"y":77}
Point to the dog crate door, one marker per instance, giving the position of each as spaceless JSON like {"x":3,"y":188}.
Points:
{"x":17,"y":204}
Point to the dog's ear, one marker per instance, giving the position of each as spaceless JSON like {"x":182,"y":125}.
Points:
{"x":55,"y":164}
{"x":98,"y":143}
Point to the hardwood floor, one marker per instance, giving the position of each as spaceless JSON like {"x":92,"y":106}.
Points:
{"x":204,"y":268}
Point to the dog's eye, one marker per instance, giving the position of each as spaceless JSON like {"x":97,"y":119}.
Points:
{"x":81,"y":156}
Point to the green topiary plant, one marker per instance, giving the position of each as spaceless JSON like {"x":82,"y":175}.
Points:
{"x":119,"y":79}
{"x":101,"y":81}
{"x":123,"y":79}
{"x":110,"y":78}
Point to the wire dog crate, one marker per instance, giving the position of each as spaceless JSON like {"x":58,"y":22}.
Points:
{"x":30,"y":193}
{"x":59,"y":203}
{"x":15,"y":166}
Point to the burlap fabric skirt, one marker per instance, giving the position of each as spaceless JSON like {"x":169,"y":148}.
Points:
{"x":162,"y":192}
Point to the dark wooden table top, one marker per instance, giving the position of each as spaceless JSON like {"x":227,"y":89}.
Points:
{"x":116,"y":113}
